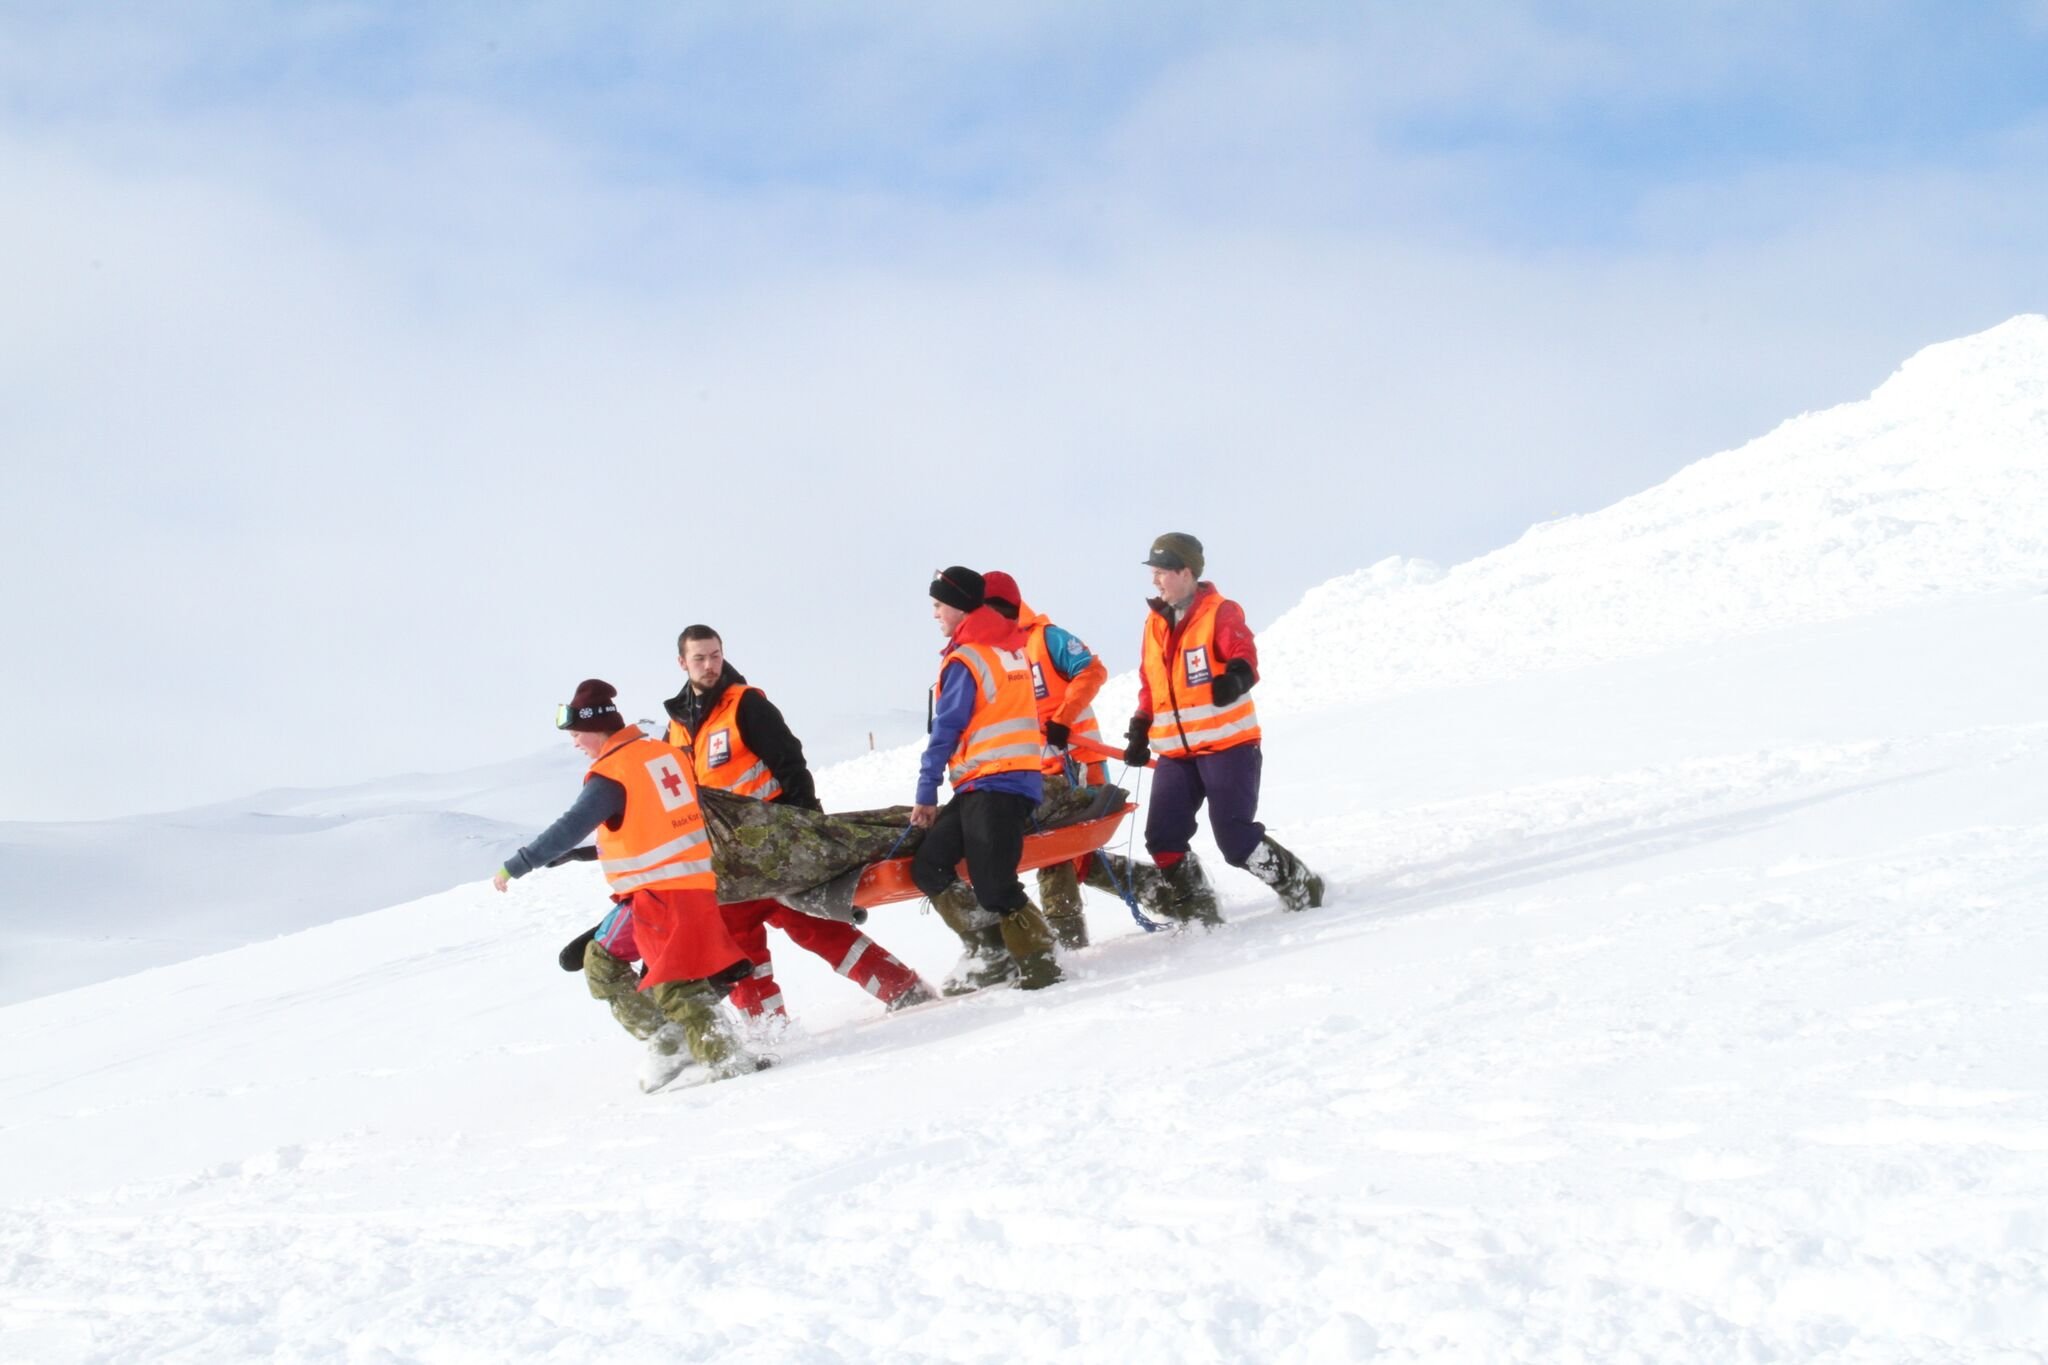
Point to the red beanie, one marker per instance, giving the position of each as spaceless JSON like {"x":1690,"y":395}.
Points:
{"x":594,"y":709}
{"x":998,"y":586}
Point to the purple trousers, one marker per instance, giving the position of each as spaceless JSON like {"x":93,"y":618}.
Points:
{"x":1228,"y":781}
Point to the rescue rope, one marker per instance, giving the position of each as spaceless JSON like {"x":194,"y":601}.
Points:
{"x":907,"y":827}
{"x":1127,"y":887}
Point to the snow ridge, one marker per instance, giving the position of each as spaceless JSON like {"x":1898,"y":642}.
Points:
{"x":1936,"y":485}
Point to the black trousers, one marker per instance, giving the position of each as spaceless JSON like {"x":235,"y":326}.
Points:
{"x":987,"y":828}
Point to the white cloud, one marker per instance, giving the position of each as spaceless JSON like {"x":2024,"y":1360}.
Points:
{"x":351,"y":440}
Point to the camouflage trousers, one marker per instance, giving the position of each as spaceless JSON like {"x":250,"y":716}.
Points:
{"x":691,"y":1005}
{"x":1059,"y":890}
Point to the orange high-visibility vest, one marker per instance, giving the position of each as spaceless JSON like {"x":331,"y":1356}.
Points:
{"x":719,"y":755}
{"x":661,"y":843}
{"x":1185,"y":718}
{"x":1049,"y":688}
{"x":1002,"y":736}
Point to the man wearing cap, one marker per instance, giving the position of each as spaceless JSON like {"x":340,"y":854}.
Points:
{"x":737,"y":741}
{"x":1195,"y":712}
{"x":985,"y":740}
{"x":656,"y":855}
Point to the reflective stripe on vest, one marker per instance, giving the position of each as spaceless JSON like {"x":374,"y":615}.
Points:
{"x":719,"y":755}
{"x":1185,"y":717}
{"x":1002,"y":736}
{"x":661,"y":842}
{"x":1049,"y":686}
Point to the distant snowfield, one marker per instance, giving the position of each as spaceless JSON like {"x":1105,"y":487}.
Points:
{"x":90,"y":901}
{"x":87,"y":902}
{"x":1680,"y":997}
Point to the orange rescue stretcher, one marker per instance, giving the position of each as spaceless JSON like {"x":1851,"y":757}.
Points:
{"x":889,"y":880}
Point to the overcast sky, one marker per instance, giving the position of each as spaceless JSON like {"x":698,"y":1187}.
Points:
{"x":371,"y":373}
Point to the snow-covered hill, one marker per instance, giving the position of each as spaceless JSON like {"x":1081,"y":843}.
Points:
{"x":88,"y":902}
{"x":1679,"y":998}
{"x":1933,"y":486}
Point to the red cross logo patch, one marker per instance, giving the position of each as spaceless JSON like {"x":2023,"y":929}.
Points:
{"x":669,"y":783}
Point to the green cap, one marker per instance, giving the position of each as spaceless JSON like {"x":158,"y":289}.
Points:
{"x":1176,"y":550}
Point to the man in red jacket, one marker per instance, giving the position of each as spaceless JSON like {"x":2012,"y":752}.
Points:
{"x":986,"y":743}
{"x":1065,"y":676}
{"x":1195,"y":712}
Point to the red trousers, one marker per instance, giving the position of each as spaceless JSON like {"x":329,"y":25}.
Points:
{"x":852,"y":954}
{"x":681,"y":936}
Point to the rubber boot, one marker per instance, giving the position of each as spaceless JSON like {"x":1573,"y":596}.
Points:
{"x":1194,"y":899}
{"x":1029,"y":939}
{"x":1059,"y":890}
{"x":668,"y":1056}
{"x":1299,"y":888}
{"x":1119,"y":876}
{"x":984,"y":961}
{"x":920,"y":994}
{"x":693,"y":1005}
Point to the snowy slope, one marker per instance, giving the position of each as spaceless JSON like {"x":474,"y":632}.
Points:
{"x":1931,"y":487}
{"x":1680,"y":997}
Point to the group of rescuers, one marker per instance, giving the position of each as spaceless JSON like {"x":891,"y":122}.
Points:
{"x":1013,"y":694}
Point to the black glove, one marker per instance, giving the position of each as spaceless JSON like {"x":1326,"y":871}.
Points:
{"x":585,"y":854}
{"x":1056,"y":734}
{"x":571,"y":956}
{"x":1138,"y":752}
{"x":1234,"y":682}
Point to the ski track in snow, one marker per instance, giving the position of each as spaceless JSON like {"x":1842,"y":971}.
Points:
{"x":1673,"y":1003}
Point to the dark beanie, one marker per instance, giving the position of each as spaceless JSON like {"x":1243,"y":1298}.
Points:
{"x":958,"y":588}
{"x":594,"y":709}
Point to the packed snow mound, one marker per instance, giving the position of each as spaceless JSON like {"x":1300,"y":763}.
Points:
{"x":1934,"y":486}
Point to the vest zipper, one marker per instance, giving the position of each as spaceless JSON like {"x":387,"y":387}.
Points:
{"x":1173,"y":631}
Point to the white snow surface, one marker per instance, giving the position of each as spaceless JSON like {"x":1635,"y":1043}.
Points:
{"x":1679,"y":996}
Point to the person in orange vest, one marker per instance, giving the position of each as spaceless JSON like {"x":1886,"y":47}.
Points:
{"x":738,"y":741}
{"x":1195,"y":712}
{"x":1065,"y":676}
{"x":986,"y":741}
{"x":639,"y":799}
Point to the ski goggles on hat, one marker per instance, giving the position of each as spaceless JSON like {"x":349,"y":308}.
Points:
{"x":566,"y":713}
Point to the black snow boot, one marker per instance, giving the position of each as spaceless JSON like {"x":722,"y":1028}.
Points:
{"x":1299,"y":888}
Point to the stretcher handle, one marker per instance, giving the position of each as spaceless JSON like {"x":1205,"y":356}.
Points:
{"x":1082,"y":747}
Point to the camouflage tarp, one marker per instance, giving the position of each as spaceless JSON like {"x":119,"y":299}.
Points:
{"x":811,"y":860}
